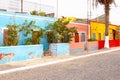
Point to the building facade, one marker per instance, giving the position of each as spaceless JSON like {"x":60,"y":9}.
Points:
{"x":28,"y":6}
{"x":97,"y":31}
{"x":16,"y":18}
{"x":79,"y":42}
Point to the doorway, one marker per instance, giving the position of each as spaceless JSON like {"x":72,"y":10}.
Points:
{"x":113,"y":34}
{"x":99,"y":36}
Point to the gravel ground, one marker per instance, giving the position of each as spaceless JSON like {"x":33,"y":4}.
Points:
{"x":99,"y":67}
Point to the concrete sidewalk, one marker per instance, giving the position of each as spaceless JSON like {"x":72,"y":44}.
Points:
{"x":49,"y":59}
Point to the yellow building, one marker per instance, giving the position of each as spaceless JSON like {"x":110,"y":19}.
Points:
{"x":97,"y":31}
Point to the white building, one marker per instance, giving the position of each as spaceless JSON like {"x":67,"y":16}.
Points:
{"x":10,"y":5}
{"x":28,"y":6}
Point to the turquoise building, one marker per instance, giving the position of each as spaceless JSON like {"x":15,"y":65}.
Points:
{"x":17,"y":18}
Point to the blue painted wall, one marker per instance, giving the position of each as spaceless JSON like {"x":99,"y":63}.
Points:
{"x":17,"y":53}
{"x":59,"y":49}
{"x":11,"y":18}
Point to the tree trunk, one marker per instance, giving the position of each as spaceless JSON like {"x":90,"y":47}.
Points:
{"x":107,"y":8}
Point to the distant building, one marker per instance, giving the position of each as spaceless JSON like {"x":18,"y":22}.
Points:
{"x":28,"y":6}
{"x":78,"y":20}
{"x":10,"y":5}
{"x":50,"y":14}
{"x":100,"y":18}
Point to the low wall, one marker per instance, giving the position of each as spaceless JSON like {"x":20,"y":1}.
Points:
{"x":93,"y":45}
{"x":17,"y":53}
{"x":101,"y":44}
{"x":59,"y":49}
{"x":112,"y":43}
{"x":77,"y":47}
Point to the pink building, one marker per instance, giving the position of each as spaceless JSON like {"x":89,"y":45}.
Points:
{"x":79,"y":42}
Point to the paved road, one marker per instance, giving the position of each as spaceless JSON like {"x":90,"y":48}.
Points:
{"x":100,"y":67}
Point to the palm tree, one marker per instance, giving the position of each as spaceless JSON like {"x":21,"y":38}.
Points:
{"x":106,"y":4}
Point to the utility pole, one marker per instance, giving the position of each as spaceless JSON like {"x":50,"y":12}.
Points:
{"x":21,"y":6}
{"x":89,"y":14}
{"x":40,"y":5}
{"x":56,"y":9}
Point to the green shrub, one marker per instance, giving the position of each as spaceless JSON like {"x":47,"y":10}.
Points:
{"x":59,"y":32}
{"x":34,"y":12}
{"x":12,"y":38}
{"x":34,"y":31}
{"x":91,"y":39}
{"x":42,"y":13}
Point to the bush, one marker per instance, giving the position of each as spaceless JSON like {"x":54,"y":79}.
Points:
{"x":12,"y":37}
{"x":51,"y":37}
{"x":42,"y":13}
{"x":34,"y":12}
{"x":91,"y":39}
{"x":59,"y":32}
{"x":34,"y":32}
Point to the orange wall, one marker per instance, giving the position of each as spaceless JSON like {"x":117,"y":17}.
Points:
{"x":80,"y":28}
{"x":77,"y":45}
{"x":93,"y":43}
